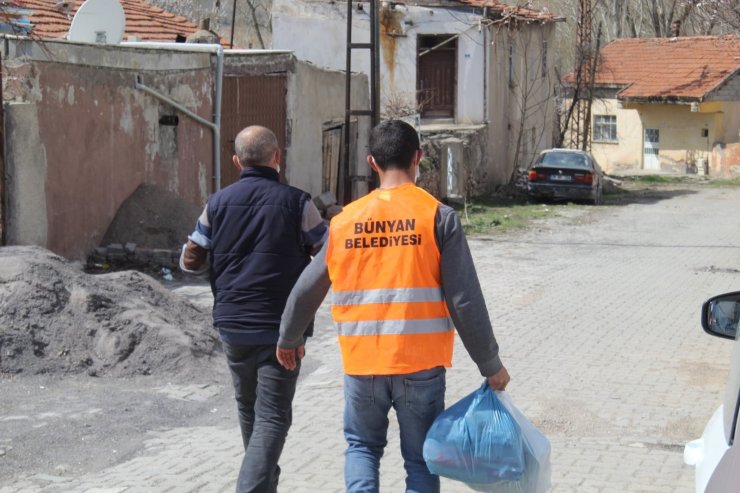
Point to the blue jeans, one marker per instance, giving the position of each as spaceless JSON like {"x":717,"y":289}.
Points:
{"x":264,"y":393}
{"x":418,"y":399}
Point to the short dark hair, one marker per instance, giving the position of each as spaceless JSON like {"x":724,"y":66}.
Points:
{"x":393,"y":144}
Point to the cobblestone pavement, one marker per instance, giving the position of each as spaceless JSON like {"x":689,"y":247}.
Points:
{"x":597,"y":316}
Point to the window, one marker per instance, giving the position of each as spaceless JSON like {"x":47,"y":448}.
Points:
{"x":605,"y":128}
{"x":511,"y":65}
{"x":544,"y":59}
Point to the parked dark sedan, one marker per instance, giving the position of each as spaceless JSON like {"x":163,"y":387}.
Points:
{"x":565,"y":174}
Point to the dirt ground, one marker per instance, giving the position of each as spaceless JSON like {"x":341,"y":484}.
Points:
{"x":89,"y":363}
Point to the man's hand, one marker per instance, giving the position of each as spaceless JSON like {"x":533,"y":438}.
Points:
{"x":289,"y":357}
{"x":193,"y":256}
{"x":500,"y":380}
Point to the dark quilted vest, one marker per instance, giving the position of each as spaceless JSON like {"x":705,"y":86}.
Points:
{"x":257,"y":254}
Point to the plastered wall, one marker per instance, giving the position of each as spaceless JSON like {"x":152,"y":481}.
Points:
{"x":80,"y":138}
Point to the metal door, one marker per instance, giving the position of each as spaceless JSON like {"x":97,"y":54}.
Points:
{"x":651,"y":149}
{"x":436,"y":76}
{"x":251,"y":100}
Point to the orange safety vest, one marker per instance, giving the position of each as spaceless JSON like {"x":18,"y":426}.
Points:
{"x":387,"y":299}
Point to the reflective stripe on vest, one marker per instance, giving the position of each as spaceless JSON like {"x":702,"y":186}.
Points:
{"x":407,"y":295}
{"x":394,"y":327}
{"x":387,"y":299}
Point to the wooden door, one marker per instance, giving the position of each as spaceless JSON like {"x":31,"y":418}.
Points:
{"x":332,"y":156}
{"x":436,"y":80}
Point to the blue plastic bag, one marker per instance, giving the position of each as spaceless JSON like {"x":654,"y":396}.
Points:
{"x":537,"y":470}
{"x":476,"y":441}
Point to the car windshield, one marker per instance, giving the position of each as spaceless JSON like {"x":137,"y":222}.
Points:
{"x":564,"y":160}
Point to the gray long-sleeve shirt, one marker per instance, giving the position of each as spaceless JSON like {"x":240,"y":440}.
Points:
{"x":460,"y":286}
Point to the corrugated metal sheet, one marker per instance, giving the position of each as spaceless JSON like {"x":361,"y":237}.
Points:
{"x":251,"y":100}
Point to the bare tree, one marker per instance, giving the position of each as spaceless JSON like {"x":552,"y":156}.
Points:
{"x":720,"y":15}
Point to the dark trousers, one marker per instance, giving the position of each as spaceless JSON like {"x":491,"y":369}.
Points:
{"x":264,"y":394}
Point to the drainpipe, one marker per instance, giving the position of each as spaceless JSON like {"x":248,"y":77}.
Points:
{"x":215,"y":125}
{"x":485,"y":67}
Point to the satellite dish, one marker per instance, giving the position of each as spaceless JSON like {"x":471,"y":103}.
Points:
{"x":98,"y":21}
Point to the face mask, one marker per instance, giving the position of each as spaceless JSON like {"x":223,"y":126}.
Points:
{"x":278,"y":169}
{"x":418,"y":173}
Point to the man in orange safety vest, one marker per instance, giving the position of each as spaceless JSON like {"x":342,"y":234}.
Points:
{"x":402,"y":280}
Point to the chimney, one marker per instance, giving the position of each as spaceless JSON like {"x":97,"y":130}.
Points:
{"x":204,"y":34}
{"x":676,"y":28}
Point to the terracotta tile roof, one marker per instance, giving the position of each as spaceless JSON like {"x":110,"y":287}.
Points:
{"x":517,"y":12}
{"x":144,"y":21}
{"x":668,"y":69}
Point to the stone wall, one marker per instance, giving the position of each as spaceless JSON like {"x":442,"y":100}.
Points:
{"x":475,"y":163}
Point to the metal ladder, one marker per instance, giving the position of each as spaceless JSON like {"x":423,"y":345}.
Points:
{"x":349,"y":112}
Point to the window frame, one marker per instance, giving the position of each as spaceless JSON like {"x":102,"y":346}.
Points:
{"x":610,"y":126}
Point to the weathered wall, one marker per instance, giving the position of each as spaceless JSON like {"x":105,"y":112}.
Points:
{"x":682,"y":144}
{"x":626,"y":153}
{"x":729,"y":91}
{"x":520,"y":100}
{"x":474,"y":174}
{"x":316,"y":97}
{"x":725,"y":160}
{"x":327,"y":25}
{"x":81,"y":138}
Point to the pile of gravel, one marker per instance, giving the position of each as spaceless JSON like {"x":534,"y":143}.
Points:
{"x":54,"y":318}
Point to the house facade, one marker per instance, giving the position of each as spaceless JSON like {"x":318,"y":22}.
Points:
{"x":475,"y":72}
{"x":668,"y":104}
{"x":86,"y":124}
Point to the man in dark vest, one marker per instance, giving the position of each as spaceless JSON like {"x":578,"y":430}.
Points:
{"x":259,"y":235}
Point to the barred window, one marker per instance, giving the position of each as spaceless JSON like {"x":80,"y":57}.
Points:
{"x":605,"y":128}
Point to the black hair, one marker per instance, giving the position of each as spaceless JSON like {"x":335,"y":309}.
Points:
{"x":393,"y":144}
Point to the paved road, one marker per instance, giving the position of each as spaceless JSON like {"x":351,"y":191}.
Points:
{"x":597,"y":317}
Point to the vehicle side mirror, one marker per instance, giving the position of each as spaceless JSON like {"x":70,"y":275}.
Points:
{"x":720,"y":315}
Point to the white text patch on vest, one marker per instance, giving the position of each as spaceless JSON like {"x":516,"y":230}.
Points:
{"x":383,"y":241}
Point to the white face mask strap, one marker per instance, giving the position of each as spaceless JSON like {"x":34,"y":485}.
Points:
{"x":418,"y":170}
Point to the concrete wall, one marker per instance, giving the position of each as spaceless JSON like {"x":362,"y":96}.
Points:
{"x":80,"y":138}
{"x":315,"y":98}
{"x":520,"y":101}
{"x":682,"y":144}
{"x":729,"y":91}
{"x":296,"y":21}
{"x":626,"y":153}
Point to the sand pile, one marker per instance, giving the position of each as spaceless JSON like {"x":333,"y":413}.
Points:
{"x":54,"y":318}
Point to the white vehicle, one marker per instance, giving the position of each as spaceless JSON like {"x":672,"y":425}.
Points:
{"x":716,"y":454}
